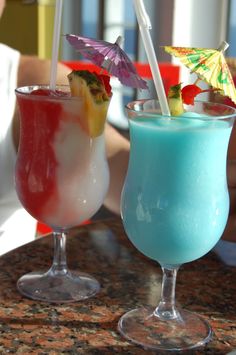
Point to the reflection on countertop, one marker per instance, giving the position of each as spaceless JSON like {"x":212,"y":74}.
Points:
{"x":128,"y":279}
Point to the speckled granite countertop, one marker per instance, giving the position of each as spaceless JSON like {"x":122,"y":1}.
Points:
{"x":128,"y":279}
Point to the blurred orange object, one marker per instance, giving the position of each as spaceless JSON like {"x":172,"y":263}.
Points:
{"x":42,"y":229}
{"x":170,"y":73}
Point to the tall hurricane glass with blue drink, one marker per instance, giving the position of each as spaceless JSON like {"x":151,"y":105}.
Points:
{"x":175,"y":205}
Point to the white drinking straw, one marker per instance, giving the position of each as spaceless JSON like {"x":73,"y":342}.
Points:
{"x":144,"y":27}
{"x":55,"y":44}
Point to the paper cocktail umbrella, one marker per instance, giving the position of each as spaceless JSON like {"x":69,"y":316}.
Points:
{"x":109,"y":56}
{"x":209,"y":65}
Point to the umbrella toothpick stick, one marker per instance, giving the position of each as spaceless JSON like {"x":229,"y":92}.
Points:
{"x":223,"y":46}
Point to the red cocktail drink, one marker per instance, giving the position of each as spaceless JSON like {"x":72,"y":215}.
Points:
{"x":61,"y":172}
{"x":61,"y":178}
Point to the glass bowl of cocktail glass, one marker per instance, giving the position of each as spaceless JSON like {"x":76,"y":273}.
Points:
{"x":61,"y":179}
{"x":175,"y":205}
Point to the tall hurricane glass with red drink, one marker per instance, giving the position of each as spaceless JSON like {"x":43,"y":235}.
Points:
{"x":61,"y":174}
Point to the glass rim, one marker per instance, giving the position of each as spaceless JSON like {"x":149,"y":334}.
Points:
{"x":229,"y":111}
{"x":26,"y":91}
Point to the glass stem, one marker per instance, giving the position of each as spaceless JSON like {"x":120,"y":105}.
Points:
{"x":59,"y":266}
{"x":166,"y":310}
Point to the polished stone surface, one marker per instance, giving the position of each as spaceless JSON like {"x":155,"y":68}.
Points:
{"x":128,"y":280}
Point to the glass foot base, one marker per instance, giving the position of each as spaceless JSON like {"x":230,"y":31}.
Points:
{"x":144,"y":328}
{"x":60,"y":288}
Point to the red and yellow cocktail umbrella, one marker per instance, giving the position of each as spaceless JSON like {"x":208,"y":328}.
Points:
{"x":209,"y":65}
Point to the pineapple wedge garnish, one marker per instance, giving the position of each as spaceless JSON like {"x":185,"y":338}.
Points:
{"x":96,"y":100}
{"x":175,"y":100}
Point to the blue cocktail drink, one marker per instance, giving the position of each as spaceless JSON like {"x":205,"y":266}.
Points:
{"x":175,"y":200}
{"x":175,"y":205}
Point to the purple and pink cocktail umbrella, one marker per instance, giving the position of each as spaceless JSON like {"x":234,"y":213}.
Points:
{"x":108,"y":56}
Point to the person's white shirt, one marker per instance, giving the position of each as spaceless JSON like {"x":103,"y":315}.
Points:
{"x":17,"y":227}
